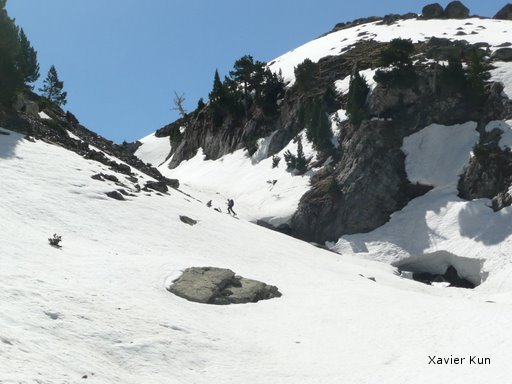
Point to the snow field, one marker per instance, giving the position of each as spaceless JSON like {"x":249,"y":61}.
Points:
{"x":99,"y":307}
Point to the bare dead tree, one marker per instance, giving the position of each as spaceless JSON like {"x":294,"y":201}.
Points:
{"x":179,"y":101}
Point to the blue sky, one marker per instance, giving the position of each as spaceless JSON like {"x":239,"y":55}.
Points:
{"x":121,"y":60}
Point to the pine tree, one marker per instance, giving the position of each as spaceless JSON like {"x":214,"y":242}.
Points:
{"x":242,"y":72}
{"x":27,"y":60}
{"x":477,"y":75}
{"x":52,"y":88}
{"x":397,"y":53}
{"x":305,"y":74}
{"x":302,"y":162}
{"x":357,"y":94}
{"x":11,"y":78}
{"x":453,"y":78}
{"x":217,"y":94}
{"x":318,"y":126}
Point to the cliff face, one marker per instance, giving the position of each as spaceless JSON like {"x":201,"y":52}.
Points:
{"x":364,"y":180}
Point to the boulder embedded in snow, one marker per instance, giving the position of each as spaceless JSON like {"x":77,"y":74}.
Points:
{"x":173,"y":183}
{"x":504,"y":13}
{"x":456,"y":10}
{"x":188,"y":220}
{"x":159,"y":186}
{"x":115,"y":195}
{"x":432,"y":11}
{"x":502,"y":54}
{"x":209,"y":285}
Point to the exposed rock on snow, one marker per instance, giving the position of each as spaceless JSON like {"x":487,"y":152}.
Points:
{"x":456,"y":10}
{"x":115,"y":195}
{"x":488,"y":176}
{"x":210,"y":285}
{"x":432,"y":11}
{"x":502,"y":54}
{"x":505,"y":13}
{"x":188,"y":220}
{"x":159,"y":186}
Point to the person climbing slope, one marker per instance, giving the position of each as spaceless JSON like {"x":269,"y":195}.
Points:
{"x":231,"y":203}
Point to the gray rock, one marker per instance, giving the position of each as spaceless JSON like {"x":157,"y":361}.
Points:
{"x":502,"y":54}
{"x":188,"y":220}
{"x":31,"y":108}
{"x":159,"y":186}
{"x":456,"y":10}
{"x":432,"y":11}
{"x":173,"y":183}
{"x":501,"y":200}
{"x":488,"y":175}
{"x":209,"y":285}
{"x":504,"y":13}
{"x":115,"y":195}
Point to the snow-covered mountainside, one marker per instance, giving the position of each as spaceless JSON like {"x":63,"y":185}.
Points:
{"x":272,"y":194}
{"x":97,"y":309}
{"x":419,"y":189}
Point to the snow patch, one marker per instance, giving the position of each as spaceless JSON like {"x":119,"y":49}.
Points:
{"x":436,"y":155}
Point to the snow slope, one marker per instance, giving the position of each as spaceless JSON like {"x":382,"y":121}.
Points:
{"x":439,"y":228}
{"x":99,"y":307}
{"x":494,"y":32}
{"x":259,"y":191}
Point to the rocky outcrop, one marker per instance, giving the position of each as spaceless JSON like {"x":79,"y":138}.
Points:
{"x":370,"y":176}
{"x":502,"y":54}
{"x":208,"y":285}
{"x":504,"y":13}
{"x":488,"y":175}
{"x":369,"y":181}
{"x":432,"y":11}
{"x":456,"y":10}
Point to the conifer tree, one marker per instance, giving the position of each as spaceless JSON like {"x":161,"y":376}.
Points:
{"x":477,"y":75}
{"x":52,"y":88}
{"x":305,"y":74}
{"x":27,"y":60}
{"x":217,"y":93}
{"x":357,"y":94}
{"x":11,"y":78}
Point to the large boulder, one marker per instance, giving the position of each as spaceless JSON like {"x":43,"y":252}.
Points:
{"x":456,"y":10}
{"x":502,"y":54}
{"x":209,"y":285}
{"x":432,"y":11}
{"x":505,"y":13}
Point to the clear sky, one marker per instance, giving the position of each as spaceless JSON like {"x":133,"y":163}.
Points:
{"x":121,"y":60}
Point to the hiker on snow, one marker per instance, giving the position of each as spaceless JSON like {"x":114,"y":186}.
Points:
{"x":231,"y":203}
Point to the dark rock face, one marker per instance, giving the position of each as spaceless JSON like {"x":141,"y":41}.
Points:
{"x":456,"y":10}
{"x":370,"y":176}
{"x":502,"y":54}
{"x":488,"y":176}
{"x":432,"y":11}
{"x":220,"y":286}
{"x":505,"y":13}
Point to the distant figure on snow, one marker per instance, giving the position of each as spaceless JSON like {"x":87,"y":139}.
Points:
{"x":231,"y":203}
{"x":209,"y":204}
